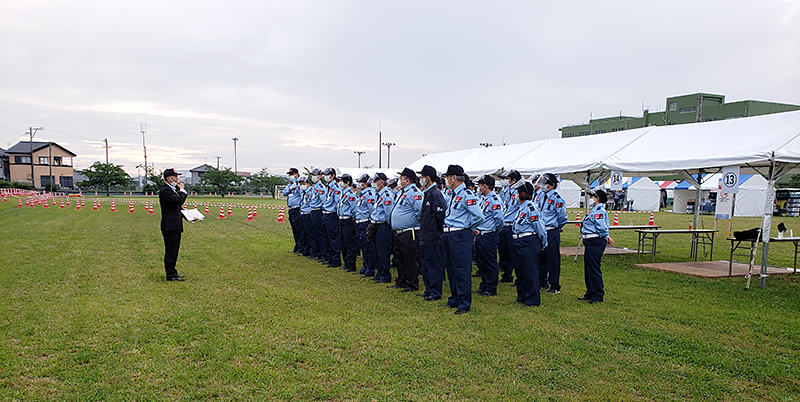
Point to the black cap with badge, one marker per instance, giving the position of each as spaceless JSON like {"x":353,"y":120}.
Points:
{"x":293,"y":171}
{"x":429,"y":171}
{"x":409,"y":174}
{"x":170,"y":172}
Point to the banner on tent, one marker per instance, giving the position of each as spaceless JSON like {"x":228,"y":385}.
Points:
{"x":724,"y":206}
{"x":616,"y":181}
{"x":730,"y":180}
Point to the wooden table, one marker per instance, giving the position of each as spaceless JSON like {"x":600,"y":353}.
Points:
{"x":699,"y":236}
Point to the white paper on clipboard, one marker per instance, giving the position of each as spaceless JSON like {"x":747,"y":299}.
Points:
{"x":192,"y":215}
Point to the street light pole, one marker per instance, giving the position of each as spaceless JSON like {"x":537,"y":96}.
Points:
{"x":235,"y":165}
{"x":32,"y":131}
{"x":359,"y":156}
{"x":389,"y":146}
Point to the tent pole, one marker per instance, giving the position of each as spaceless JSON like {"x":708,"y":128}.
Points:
{"x":767,"y":222}
{"x":697,"y":197}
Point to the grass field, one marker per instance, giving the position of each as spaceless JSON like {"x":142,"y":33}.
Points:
{"x":85,"y":314}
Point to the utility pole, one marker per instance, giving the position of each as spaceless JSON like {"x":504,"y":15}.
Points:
{"x":143,"y":129}
{"x":359,"y":156}
{"x":106,"y":147}
{"x":217,"y":162}
{"x":379,"y":144}
{"x":235,"y":166}
{"x":32,"y":131}
{"x":50,"y":163}
{"x":389,"y":146}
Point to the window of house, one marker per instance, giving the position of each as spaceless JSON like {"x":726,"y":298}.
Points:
{"x":599,"y":131}
{"x":690,"y":109}
{"x":673,"y":106}
{"x":582,"y":133}
{"x":65,"y":181}
{"x":45,"y":180}
{"x":57,"y":160}
{"x":43,"y":160}
{"x":22,"y":159}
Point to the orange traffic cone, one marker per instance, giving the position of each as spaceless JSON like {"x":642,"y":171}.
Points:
{"x":94,"y":205}
{"x":230,"y":211}
{"x":255,"y":211}
{"x":151,"y":212}
{"x":221,"y":212}
{"x":616,"y":219}
{"x":113,"y":206}
{"x":67,"y":202}
{"x":95,"y":193}
{"x":206,"y":211}
{"x":280,"y":216}
{"x":62,"y":204}
{"x":45,"y":205}
{"x":77,"y":205}
{"x":652,"y":221}
{"x":130,"y":208}
{"x":250,"y":214}
{"x":578,"y":218}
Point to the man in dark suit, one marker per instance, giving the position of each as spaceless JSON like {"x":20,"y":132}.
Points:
{"x":171,"y":196}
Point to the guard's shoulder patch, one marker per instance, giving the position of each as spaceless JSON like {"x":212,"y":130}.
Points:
{"x":417,"y":197}
{"x":471,"y":201}
{"x":495,"y":207}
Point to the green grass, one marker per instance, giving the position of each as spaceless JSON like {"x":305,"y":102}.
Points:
{"x":85,"y":314}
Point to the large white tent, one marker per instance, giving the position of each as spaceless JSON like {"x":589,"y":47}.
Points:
{"x":752,"y":196}
{"x":768,"y":145}
{"x":570,"y":192}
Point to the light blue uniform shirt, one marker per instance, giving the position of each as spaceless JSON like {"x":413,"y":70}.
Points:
{"x":528,"y":220}
{"x":347,"y":203}
{"x":332,"y":198}
{"x":383,"y":206}
{"x":366,"y":203}
{"x":407,"y":208}
{"x":305,"y":203}
{"x":538,"y":198}
{"x":492,"y":207}
{"x":554,"y":213}
{"x":510,"y":204}
{"x":318,"y":192}
{"x":463,"y":210}
{"x":596,"y":222}
{"x":292,"y":194}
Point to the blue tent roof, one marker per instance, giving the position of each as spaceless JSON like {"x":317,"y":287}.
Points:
{"x":684,"y":185}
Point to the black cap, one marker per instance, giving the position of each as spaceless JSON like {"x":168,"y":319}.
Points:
{"x":302,"y":179}
{"x":363,"y":178}
{"x":380,"y":176}
{"x":170,"y":172}
{"x":601,"y":195}
{"x":329,"y":171}
{"x":409,"y":173}
{"x":346,"y":178}
{"x":428,"y":170}
{"x":487,"y":180}
{"x":454,"y":170}
{"x":551,"y":179}
{"x":316,"y":172}
{"x":293,"y":171}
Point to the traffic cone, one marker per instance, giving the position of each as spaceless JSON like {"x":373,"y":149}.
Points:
{"x":151,"y":212}
{"x":230,"y":210}
{"x":54,"y":201}
{"x":221,"y":212}
{"x":250,"y":214}
{"x":95,"y":193}
{"x":113,"y":206}
{"x":77,"y":205}
{"x":280,"y":216}
{"x":616,"y":219}
{"x":5,"y":198}
{"x":652,"y":221}
{"x":206,"y":211}
{"x":67,"y":202}
{"x":130,"y":208}
{"x":578,"y":218}
{"x":45,"y":205}
{"x":83,"y":202}
{"x":255,"y":211}
{"x":94,"y":205}
{"x":62,"y":204}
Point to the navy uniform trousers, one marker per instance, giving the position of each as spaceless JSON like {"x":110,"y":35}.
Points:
{"x":318,"y":232}
{"x":526,"y":261}
{"x":365,"y":246}
{"x":458,"y":265}
{"x":382,"y":252}
{"x":347,"y":237}
{"x":506,"y":250}
{"x":332,"y":249}
{"x":432,"y":269}
{"x":407,"y":251}
{"x":309,"y":240}
{"x":550,"y":260}
{"x":591,"y":268}
{"x":486,"y":253}
{"x":297,"y":227}
{"x":172,"y":243}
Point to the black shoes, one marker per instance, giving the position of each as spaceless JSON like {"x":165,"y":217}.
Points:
{"x":488,"y":293}
{"x":431,"y":298}
{"x":446,"y":305}
{"x":176,"y":278}
{"x":395,"y":286}
{"x":461,"y":311}
{"x":595,"y":301}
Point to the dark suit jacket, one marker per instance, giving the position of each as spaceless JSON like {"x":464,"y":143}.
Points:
{"x":171,"y":203}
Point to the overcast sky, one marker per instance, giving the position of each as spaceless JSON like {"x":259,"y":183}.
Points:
{"x":304,"y":83}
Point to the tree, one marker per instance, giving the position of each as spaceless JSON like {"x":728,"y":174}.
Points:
{"x":221,"y":179}
{"x":264,"y":181}
{"x":154,"y":182}
{"x":794,"y":181}
{"x":106,"y":175}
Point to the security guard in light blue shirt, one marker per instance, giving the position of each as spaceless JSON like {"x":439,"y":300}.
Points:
{"x":511,"y":207}
{"x":366,"y":203}
{"x":487,"y":236}
{"x":380,"y":227}
{"x":554,"y":215}
{"x":346,"y":211}
{"x":594,"y":232}
{"x":405,"y":223}
{"x":463,"y":216}
{"x":309,"y":233}
{"x":530,"y":237}
{"x":317,"y":197}
{"x":330,"y":200}
{"x":293,"y":199}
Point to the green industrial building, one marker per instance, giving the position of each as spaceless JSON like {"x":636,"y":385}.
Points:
{"x":683,"y":109}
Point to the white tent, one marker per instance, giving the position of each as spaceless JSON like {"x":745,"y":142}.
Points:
{"x":685,"y":192}
{"x":752,"y":196}
{"x":644,"y":193}
{"x":570,"y":192}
